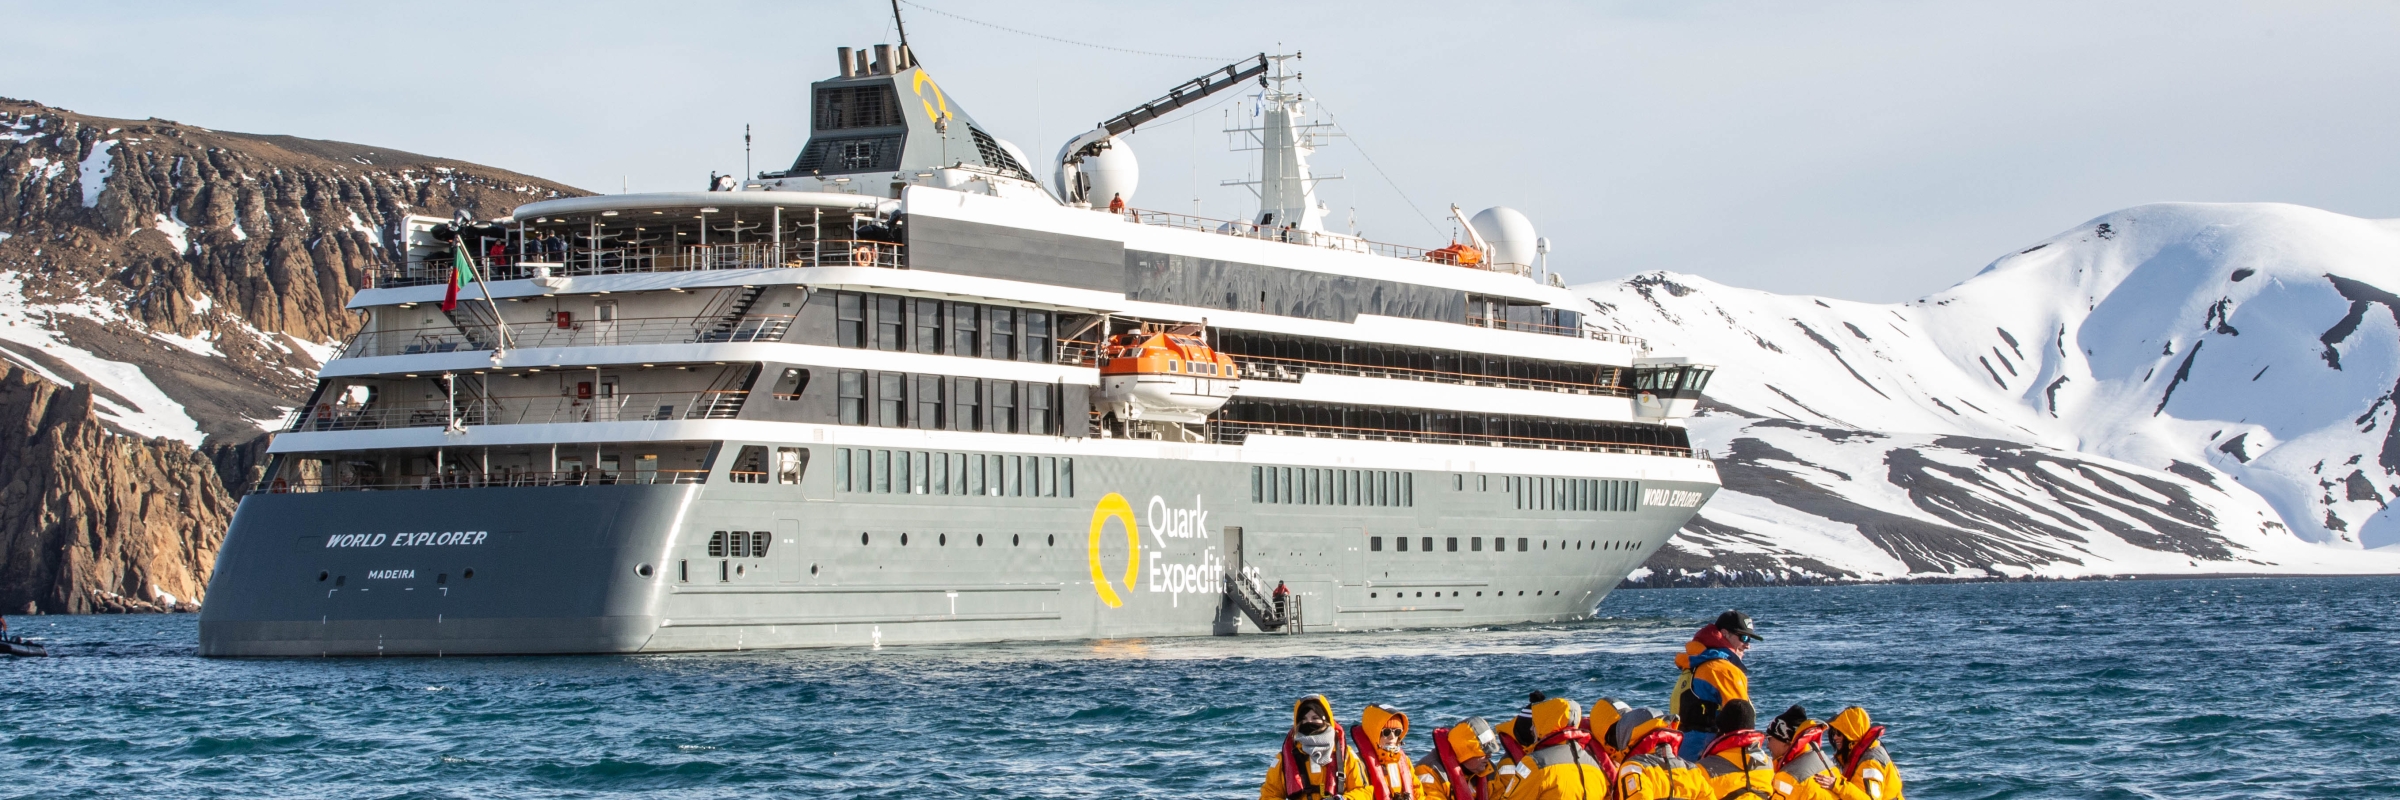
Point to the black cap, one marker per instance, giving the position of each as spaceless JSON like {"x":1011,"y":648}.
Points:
{"x":1787,"y":724}
{"x":1737,"y":715}
{"x":1738,"y":624}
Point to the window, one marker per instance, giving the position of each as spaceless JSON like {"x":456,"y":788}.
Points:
{"x":1500,"y":544}
{"x":891,"y":399}
{"x":841,"y":469}
{"x":1475,"y":544}
{"x":861,"y":471}
{"x":928,"y":317}
{"x":1403,"y":540}
{"x":920,"y":464}
{"x":1066,"y":477}
{"x":929,"y":402}
{"x":1428,"y":544}
{"x":1004,"y":334}
{"x":1453,"y":544}
{"x":716,"y":545}
{"x":1520,"y":544}
{"x":1004,"y":406}
{"x":1037,"y":336}
{"x":1375,"y":544}
{"x":965,"y":333}
{"x":738,"y":544}
{"x":1049,"y":476}
{"x":749,"y":465}
{"x":1016,"y":476}
{"x":853,"y":399}
{"x":790,"y":384}
{"x":975,"y":484}
{"x":1037,"y":409}
{"x":790,"y":464}
{"x":850,"y":319}
{"x":890,"y":328}
{"x":966,"y":404}
{"x":883,"y":471}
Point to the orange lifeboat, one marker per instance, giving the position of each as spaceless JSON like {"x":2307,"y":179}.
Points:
{"x":1456,"y":255}
{"x":1165,"y":376}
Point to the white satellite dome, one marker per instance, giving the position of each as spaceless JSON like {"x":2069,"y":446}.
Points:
{"x":1509,"y":235}
{"x":1111,"y":173}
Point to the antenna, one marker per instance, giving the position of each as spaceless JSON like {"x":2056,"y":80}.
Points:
{"x":747,"y":175}
{"x":903,"y":28}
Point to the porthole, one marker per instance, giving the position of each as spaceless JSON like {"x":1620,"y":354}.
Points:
{"x":1372,"y":595}
{"x":942,"y":540}
{"x":978,"y":540}
{"x":812,"y":569}
{"x":1420,"y":594}
{"x":1478,"y":594}
{"x":1520,"y":593}
{"x":903,"y":540}
{"x":321,"y":576}
{"x":643,"y":570}
{"x":1013,"y":540}
{"x":862,"y":539}
{"x":1053,"y":540}
{"x":470,"y":573}
{"x":738,"y":569}
{"x":341,"y":580}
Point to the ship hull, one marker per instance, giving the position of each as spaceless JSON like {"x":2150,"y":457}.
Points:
{"x":1124,"y":547}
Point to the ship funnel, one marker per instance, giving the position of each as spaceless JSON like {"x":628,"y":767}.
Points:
{"x":883,"y":59}
{"x":849,"y":69}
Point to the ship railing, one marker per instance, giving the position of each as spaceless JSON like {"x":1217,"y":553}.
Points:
{"x":490,"y":480}
{"x":525,"y":410}
{"x":1290,"y":370}
{"x":1079,"y":353}
{"x":1236,"y":432}
{"x":1278,"y":233}
{"x":579,"y":333}
{"x":1583,"y":331}
{"x":439,"y":267}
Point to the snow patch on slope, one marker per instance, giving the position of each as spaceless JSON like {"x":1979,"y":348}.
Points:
{"x":123,"y":395}
{"x":96,"y":169}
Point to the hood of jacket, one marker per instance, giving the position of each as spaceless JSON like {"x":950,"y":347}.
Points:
{"x":1554,"y":715}
{"x":1852,"y":723}
{"x":1320,"y":702}
{"x":1605,"y":713}
{"x":1466,"y":739}
{"x":1377,"y":716}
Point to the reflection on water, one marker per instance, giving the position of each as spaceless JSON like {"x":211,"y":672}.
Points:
{"x":1992,"y":690}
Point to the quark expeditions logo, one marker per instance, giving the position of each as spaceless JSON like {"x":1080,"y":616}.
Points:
{"x":1671,"y":498}
{"x":1166,"y":573}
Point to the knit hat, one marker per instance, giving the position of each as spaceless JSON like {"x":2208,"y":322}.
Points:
{"x":1787,"y":724}
{"x":1736,"y":715}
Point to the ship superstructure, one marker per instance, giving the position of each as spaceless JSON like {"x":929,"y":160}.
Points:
{"x":901,"y":391}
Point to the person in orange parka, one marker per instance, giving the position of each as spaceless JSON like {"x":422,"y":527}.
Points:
{"x":1737,"y":761}
{"x":1380,"y":732}
{"x":1316,"y":761}
{"x":1460,"y":764}
{"x":1562,"y":768}
{"x":1858,"y":746}
{"x":1712,"y":675}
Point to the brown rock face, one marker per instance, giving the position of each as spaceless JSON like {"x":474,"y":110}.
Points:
{"x":211,"y":262}
{"x":91,"y":520}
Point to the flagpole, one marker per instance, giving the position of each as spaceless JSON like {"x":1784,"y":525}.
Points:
{"x":499,"y":323}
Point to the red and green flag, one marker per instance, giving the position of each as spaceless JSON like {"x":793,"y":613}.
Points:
{"x":462,"y":272}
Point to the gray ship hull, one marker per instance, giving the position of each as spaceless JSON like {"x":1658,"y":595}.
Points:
{"x":1137,"y":550}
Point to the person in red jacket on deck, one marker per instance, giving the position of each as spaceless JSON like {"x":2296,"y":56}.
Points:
{"x":1712,"y":675}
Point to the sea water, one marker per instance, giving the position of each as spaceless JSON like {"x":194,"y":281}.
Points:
{"x":2206,"y":688}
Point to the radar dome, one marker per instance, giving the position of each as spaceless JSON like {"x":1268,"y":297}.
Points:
{"x":1111,"y":173}
{"x":1509,"y":234}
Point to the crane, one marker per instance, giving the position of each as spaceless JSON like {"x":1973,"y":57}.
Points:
{"x":1075,"y":188}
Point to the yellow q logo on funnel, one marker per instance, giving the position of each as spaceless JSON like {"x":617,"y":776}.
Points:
{"x":1114,"y":507}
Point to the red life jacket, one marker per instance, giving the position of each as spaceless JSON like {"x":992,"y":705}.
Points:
{"x":1858,"y":749}
{"x":1461,"y":786}
{"x":1583,"y":741}
{"x":1733,"y":741}
{"x":1801,"y":744}
{"x":1295,"y":776}
{"x":1366,"y":743}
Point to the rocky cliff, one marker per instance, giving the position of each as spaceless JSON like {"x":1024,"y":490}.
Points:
{"x":185,"y":283}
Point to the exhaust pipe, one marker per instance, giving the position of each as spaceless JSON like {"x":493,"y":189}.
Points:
{"x":883,"y":59}
{"x":842,"y":54}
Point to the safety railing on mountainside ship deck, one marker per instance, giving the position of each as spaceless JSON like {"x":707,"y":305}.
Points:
{"x":1290,"y":370}
{"x":438,"y":268}
{"x":1234,"y":433}
{"x":524,"y":410}
{"x":489,"y":480}
{"x":586,"y":333}
{"x":1584,"y":331}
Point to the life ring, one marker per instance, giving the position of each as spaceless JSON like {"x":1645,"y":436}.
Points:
{"x":863,"y":256}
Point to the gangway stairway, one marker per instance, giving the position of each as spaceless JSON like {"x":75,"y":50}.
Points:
{"x":728,"y":320}
{"x":1263,"y":613}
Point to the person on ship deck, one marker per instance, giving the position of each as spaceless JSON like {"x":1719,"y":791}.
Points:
{"x":1316,"y":761}
{"x":1712,"y":674}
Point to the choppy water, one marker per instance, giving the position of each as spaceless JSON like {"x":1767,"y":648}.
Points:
{"x":2268,"y":688}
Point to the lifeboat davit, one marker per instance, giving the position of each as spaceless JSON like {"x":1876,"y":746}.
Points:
{"x":1165,"y":376}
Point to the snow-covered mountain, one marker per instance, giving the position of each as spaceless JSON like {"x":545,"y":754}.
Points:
{"x":2174,"y":388}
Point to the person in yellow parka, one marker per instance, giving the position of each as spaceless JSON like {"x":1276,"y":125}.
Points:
{"x":1737,"y":762}
{"x":1802,"y":769}
{"x":1858,"y":746}
{"x":1516,"y":743}
{"x":1315,"y":762}
{"x":1651,"y":770}
{"x":1605,"y":713}
{"x":1381,"y":732}
{"x":1562,"y":768}
{"x":1459,"y":767}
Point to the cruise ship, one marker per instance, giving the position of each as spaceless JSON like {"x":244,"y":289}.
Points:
{"x":908,"y":391}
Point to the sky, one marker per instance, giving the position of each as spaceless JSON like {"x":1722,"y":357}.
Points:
{"x":1874,"y":151}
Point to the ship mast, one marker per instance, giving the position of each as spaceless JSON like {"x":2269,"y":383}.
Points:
{"x":1287,"y":192}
